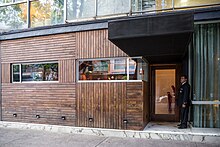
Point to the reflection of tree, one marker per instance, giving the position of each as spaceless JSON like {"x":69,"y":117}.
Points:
{"x":16,"y":68}
{"x":44,"y":69}
{"x":14,"y":16}
{"x":80,"y":8}
{"x":47,"y":10}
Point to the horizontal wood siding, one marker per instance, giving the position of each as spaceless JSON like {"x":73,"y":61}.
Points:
{"x":134,"y":105}
{"x":50,"y":101}
{"x":44,"y":48}
{"x":95,"y":44}
{"x":109,"y":104}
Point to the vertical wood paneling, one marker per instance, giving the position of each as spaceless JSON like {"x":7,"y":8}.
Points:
{"x":67,"y":71}
{"x":146,"y":102}
{"x":95,"y":44}
{"x":109,"y":103}
{"x":6,"y":73}
{"x":102,"y":102}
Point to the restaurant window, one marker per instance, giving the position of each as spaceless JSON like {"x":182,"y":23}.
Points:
{"x":35,"y":72}
{"x":112,"y":69}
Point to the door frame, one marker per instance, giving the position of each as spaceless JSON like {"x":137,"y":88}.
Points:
{"x":163,"y":117}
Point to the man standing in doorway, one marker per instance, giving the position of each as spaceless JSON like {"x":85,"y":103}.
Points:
{"x":184,"y":101}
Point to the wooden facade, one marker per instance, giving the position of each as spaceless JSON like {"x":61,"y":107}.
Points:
{"x":49,"y":100}
{"x":108,"y":104}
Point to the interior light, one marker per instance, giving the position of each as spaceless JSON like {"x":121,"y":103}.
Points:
{"x":15,"y":115}
{"x":90,"y":119}
{"x":125,"y":121}
{"x":37,"y":116}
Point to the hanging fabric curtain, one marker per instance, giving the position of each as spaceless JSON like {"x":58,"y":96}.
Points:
{"x":206,"y":74}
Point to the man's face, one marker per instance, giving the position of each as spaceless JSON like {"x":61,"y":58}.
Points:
{"x":183,"y":79}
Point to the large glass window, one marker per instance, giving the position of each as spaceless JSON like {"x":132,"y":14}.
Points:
{"x":149,"y":5}
{"x":206,"y":74}
{"x":5,"y":1}
{"x":35,"y":72}
{"x":112,"y":69}
{"x":13,"y":16}
{"x":80,"y":9}
{"x":190,"y":3}
{"x":107,"y":7}
{"x":47,"y":12}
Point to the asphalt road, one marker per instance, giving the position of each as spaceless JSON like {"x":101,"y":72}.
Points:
{"x":32,"y":138}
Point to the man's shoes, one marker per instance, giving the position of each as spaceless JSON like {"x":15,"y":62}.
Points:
{"x":182,"y":127}
{"x":178,"y":125}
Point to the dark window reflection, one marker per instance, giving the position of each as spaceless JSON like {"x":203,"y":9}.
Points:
{"x":16,"y":73}
{"x":40,"y":72}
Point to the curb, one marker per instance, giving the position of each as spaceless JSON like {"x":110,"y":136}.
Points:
{"x":191,"y":136}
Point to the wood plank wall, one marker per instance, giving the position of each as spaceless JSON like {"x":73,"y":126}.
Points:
{"x":6,"y":73}
{"x":95,"y":44}
{"x":109,"y":104}
{"x":135,"y":105}
{"x":104,"y":102}
{"x":51,"y":100}
{"x":67,"y":71}
{"x":44,"y":48}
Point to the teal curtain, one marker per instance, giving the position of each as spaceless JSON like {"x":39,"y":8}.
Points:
{"x":206,"y":74}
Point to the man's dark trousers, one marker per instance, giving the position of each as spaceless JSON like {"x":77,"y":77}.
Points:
{"x":184,"y":116}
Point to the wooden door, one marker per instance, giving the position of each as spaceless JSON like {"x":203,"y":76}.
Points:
{"x":164,"y":80}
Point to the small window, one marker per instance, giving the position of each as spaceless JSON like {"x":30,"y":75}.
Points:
{"x":113,"y":69}
{"x":35,"y":72}
{"x":138,"y":69}
{"x":16,"y":68}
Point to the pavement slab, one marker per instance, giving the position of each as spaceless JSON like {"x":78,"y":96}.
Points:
{"x":10,"y":137}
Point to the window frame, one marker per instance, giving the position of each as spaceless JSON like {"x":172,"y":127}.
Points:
{"x":12,"y":73}
{"x":108,"y":81}
{"x":98,"y":17}
{"x":20,"y":68}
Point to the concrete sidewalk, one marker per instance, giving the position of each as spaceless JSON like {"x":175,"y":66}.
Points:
{"x":33,"y":138}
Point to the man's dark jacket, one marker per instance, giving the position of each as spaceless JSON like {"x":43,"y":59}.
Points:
{"x":184,"y":95}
